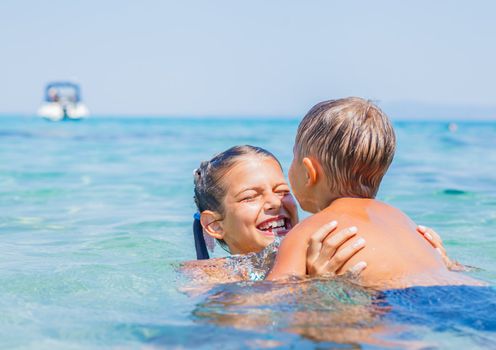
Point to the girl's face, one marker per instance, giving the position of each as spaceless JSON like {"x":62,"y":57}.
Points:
{"x":258,"y":205}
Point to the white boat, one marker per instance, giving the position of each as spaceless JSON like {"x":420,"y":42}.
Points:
{"x":63,"y":102}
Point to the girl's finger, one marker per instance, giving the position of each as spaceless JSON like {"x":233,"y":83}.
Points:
{"x":445,"y":258}
{"x":435,"y":240}
{"x":357,"y":269}
{"x":430,"y":235}
{"x":332,"y":243}
{"x":343,"y":255}
{"x":315,"y":243}
{"x":435,"y":236}
{"x":318,"y":236}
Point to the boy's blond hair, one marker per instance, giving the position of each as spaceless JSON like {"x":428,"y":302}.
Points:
{"x":353,"y":140}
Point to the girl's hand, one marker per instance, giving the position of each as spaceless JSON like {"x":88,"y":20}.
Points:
{"x":435,"y":240}
{"x":325,"y":254}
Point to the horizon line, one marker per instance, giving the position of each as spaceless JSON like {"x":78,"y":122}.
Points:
{"x":246,"y":117}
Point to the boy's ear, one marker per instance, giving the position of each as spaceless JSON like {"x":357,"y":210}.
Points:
{"x":210,"y":221}
{"x":312,"y":170}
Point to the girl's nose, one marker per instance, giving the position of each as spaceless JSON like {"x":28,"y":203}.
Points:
{"x":272,"y":201}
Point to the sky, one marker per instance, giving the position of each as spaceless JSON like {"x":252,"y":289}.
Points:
{"x":257,"y":57}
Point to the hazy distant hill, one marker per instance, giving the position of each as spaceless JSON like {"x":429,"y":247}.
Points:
{"x":424,"y":111}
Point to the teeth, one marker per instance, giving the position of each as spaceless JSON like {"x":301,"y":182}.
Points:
{"x":273,"y":224}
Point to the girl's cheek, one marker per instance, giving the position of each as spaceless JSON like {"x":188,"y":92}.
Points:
{"x":251,"y":205}
{"x":247,"y":211}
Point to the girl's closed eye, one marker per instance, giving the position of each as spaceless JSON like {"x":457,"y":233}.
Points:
{"x":249,"y":196}
{"x":282,"y":191}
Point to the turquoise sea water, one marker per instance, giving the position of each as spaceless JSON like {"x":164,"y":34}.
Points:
{"x":95,"y":217}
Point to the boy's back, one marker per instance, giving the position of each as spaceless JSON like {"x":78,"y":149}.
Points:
{"x":394,"y":249}
{"x":396,"y":255}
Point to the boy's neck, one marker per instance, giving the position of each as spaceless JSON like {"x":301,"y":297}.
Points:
{"x":323,"y":200}
{"x":322,"y":196}
{"x":326,"y":202}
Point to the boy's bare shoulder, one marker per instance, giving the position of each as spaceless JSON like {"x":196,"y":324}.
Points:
{"x":301,"y":233}
{"x":364,"y":210}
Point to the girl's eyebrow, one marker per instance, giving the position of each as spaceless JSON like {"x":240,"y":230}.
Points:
{"x":257,"y":188}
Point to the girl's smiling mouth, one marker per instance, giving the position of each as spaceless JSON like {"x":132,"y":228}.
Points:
{"x":277,"y":226}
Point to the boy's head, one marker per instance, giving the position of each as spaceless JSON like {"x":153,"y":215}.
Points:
{"x":350,"y":142}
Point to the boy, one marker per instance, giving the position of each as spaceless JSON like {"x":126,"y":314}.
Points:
{"x":342,"y":150}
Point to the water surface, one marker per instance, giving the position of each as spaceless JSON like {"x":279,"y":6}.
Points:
{"x":95,"y":217}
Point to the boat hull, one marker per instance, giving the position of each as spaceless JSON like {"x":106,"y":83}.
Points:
{"x":56,"y":111}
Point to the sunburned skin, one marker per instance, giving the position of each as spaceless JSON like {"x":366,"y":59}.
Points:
{"x":397,"y":256}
